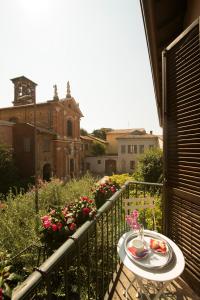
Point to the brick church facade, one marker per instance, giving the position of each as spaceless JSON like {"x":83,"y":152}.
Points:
{"x":46,"y":136}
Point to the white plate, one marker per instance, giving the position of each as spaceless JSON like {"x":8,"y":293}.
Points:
{"x":153,"y":260}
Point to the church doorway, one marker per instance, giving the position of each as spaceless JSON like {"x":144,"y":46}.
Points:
{"x":47,"y":172}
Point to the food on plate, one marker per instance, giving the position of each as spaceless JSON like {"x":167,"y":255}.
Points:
{"x":158,"y":245}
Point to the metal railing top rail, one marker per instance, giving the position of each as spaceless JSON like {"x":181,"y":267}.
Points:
{"x":35,"y":278}
{"x":144,"y":183}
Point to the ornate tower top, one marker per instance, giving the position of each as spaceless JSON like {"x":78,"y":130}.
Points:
{"x":55,"y":97}
{"x":68,"y":91}
{"x":24,"y":91}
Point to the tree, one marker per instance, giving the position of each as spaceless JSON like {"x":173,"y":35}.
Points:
{"x":8,"y":170}
{"x":98,"y":149}
{"x":150,"y":166}
{"x":101,"y":133}
{"x":83,"y":131}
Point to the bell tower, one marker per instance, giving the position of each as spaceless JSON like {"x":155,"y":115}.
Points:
{"x":24,"y":91}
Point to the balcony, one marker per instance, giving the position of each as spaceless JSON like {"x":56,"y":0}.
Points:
{"x":87,"y":265}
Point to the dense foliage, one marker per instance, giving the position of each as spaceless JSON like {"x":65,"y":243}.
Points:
{"x":120,"y":179}
{"x":97,"y":149}
{"x":150,"y":166}
{"x":18,"y":220}
{"x":83,"y":131}
{"x":8,"y":170}
{"x":101,"y":133}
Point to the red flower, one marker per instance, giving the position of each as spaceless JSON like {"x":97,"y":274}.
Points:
{"x":86,"y":210}
{"x":59,"y":225}
{"x":47,"y":224}
{"x":72,"y":226}
{"x":1,"y":294}
{"x":113,"y":189}
{"x":84,"y":198}
{"x":54,"y":227}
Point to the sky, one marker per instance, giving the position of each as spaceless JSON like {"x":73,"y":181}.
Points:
{"x":99,"y":46}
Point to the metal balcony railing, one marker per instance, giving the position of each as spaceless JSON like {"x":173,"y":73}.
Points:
{"x":83,"y":267}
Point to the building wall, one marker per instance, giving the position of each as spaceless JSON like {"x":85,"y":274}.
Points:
{"x":6,"y":135}
{"x":124,"y":159}
{"x":53,"y":116}
{"x":193,"y":12}
{"x":97,"y":163}
{"x":112,"y":146}
{"x":25,"y":160}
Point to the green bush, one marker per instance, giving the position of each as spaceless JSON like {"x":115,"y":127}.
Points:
{"x":150,"y":166}
{"x":121,"y":179}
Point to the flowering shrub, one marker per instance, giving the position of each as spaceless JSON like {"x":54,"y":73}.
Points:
{"x":84,"y":209}
{"x":57,"y":225}
{"x":60,"y":223}
{"x":104,"y":191}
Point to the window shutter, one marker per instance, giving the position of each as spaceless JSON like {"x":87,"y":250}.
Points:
{"x":181,"y":82}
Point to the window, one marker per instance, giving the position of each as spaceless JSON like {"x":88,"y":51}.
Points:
{"x":99,"y":162}
{"x":123,"y":148}
{"x":69,"y":128}
{"x":86,"y":147}
{"x":132,"y":148}
{"x":141,"y":148}
{"x":46,"y":145}
{"x":132,"y":164}
{"x":27,"y":144}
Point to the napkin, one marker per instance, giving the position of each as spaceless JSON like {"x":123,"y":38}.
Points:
{"x":158,"y":246}
{"x":133,"y":251}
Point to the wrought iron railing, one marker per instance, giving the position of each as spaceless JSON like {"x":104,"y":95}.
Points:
{"x":83,"y":267}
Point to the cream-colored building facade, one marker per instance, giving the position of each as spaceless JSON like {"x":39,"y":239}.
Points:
{"x":123,"y":149}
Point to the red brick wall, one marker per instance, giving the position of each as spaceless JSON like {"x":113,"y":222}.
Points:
{"x":6,"y":135}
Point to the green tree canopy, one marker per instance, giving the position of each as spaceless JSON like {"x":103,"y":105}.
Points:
{"x":98,"y":149}
{"x":83,"y":131}
{"x":150,"y":166}
{"x":101,"y":133}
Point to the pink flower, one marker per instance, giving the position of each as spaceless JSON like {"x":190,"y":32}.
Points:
{"x":72,"y":226}
{"x":52,"y":212}
{"x":54,"y":227}
{"x":45,"y":218}
{"x":59,"y":225}
{"x":86,"y":210}
{"x":135,"y":213}
{"x":113,"y":189}
{"x":47,"y":223}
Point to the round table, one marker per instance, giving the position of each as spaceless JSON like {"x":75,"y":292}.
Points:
{"x":165,"y":275}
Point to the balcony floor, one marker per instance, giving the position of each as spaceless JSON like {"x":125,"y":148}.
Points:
{"x":177,"y":290}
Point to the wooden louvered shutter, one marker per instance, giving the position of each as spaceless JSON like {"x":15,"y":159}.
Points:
{"x":181,"y":82}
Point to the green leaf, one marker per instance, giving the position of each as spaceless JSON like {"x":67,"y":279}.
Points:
{"x":7,"y":290}
{"x":7,"y":268}
{"x":1,"y":281}
{"x":14,"y":277}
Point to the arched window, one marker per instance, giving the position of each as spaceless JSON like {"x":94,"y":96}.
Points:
{"x":69,"y":128}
